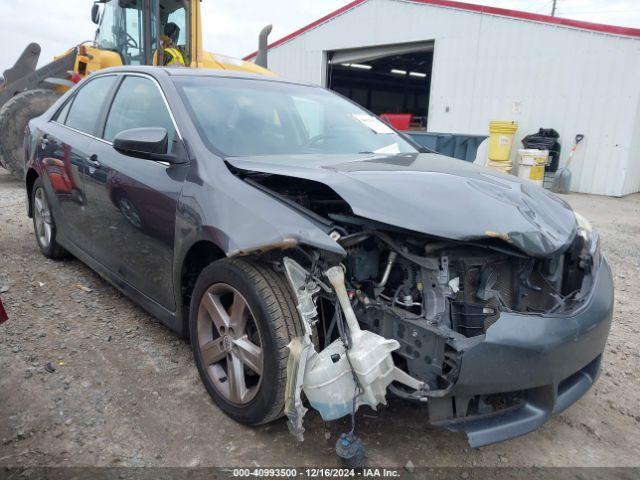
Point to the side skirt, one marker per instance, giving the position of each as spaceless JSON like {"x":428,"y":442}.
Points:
{"x":168,"y":318}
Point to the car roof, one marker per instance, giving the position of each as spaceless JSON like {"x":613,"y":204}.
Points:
{"x":156,"y":72}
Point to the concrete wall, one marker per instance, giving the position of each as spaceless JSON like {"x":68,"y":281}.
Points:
{"x":491,"y":67}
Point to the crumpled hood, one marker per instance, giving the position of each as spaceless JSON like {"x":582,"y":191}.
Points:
{"x":435,"y":195}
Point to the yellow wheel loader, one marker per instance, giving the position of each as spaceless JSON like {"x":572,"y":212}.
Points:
{"x":130,"y":32}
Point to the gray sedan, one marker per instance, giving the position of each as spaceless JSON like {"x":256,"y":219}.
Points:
{"x":315,"y":257}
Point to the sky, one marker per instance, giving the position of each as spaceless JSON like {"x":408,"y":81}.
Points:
{"x":231,"y":26}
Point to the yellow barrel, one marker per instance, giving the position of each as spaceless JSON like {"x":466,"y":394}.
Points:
{"x":501,"y":140}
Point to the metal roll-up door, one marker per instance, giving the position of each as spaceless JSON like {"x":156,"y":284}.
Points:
{"x":367,"y":54}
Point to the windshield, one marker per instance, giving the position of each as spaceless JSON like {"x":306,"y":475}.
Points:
{"x":242,"y":117}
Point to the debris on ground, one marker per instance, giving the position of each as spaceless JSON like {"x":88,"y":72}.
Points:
{"x":409,"y":466}
{"x":83,"y":288}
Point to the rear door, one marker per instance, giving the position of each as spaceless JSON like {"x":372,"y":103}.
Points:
{"x":132,"y":202}
{"x":63,"y":152}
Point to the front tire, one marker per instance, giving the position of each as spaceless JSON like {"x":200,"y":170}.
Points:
{"x":14,"y":117}
{"x":242,"y":318}
{"x":44,"y":225}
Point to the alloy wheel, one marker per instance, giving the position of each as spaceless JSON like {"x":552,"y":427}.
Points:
{"x":230,"y":344}
{"x":42,"y":215}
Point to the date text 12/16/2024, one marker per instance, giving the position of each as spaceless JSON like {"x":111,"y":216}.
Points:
{"x":315,"y":472}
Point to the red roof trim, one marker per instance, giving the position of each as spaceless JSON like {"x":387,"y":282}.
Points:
{"x":535,"y":17}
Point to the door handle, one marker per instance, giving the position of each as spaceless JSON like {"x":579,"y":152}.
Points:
{"x":93,"y":161}
{"x":44,"y":142}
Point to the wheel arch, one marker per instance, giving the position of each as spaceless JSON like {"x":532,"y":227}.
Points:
{"x":200,"y":254}
{"x":30,"y":179}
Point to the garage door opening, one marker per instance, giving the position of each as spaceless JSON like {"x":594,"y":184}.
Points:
{"x":393,"y":81}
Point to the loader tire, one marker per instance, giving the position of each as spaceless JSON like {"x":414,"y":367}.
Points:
{"x":14,"y":117}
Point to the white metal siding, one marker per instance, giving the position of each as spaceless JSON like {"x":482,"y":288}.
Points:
{"x":572,"y":80}
{"x":632,"y":179}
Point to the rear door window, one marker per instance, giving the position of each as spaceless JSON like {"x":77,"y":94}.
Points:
{"x":61,"y":116}
{"x":86,"y":107}
{"x":138,"y":104}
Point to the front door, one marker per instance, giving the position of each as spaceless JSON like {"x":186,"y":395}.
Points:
{"x":132,"y":202}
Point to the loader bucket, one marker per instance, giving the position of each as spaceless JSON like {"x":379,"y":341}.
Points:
{"x":25,"y":65}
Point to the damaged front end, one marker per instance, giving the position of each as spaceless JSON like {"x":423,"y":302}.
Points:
{"x":353,"y":370}
{"x":399,"y":312}
{"x":493,"y":337}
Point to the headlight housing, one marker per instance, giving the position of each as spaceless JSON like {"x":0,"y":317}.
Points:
{"x":590,"y":252}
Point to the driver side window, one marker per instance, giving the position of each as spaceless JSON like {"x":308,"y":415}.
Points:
{"x":138,"y":104}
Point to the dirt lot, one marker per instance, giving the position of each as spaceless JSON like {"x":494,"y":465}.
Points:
{"x":125,"y":391}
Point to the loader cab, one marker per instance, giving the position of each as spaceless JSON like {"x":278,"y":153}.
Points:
{"x":134,"y":28}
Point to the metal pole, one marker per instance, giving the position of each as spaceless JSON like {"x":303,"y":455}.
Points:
{"x":553,"y":9}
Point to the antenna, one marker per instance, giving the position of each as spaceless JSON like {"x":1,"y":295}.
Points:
{"x":553,"y":8}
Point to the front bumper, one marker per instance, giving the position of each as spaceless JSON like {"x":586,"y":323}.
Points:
{"x":545,"y":362}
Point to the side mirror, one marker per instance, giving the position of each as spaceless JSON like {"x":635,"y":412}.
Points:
{"x":145,"y":143}
{"x":95,"y":13}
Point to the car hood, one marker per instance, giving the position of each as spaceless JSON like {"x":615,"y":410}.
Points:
{"x":435,"y":195}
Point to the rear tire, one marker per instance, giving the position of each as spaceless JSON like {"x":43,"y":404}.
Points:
{"x":44,"y":226}
{"x":14,"y":117}
{"x":271,"y":320}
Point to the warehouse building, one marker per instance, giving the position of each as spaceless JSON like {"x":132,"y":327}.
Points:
{"x":452,"y":67}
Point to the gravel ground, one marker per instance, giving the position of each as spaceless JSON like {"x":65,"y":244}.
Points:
{"x":88,"y":378}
